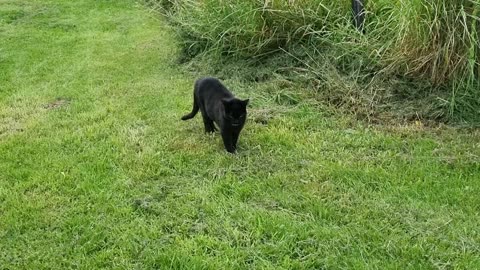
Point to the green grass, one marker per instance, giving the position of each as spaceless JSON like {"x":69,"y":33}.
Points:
{"x":97,"y":170}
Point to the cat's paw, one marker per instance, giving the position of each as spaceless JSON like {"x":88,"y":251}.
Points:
{"x":232,"y":151}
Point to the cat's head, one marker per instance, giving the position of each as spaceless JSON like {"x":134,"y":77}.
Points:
{"x":235,"y":110}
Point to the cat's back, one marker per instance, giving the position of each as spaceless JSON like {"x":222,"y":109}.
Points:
{"x":210,"y":85}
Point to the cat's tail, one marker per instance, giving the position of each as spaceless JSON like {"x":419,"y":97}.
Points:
{"x":194,"y":110}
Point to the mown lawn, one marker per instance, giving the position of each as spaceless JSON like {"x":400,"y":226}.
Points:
{"x":97,"y":170}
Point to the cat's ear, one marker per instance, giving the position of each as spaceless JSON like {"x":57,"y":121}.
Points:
{"x":245,"y":102}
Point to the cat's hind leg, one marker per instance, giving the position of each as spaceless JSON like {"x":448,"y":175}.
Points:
{"x":207,"y":122}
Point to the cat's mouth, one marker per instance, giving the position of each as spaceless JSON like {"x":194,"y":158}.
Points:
{"x":235,"y":124}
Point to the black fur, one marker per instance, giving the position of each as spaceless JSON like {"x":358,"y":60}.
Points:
{"x":358,"y":9}
{"x":218,"y":105}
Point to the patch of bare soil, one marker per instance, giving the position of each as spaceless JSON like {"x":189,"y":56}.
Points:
{"x":59,"y":102}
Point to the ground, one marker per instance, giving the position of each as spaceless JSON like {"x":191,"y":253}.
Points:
{"x":97,"y":170}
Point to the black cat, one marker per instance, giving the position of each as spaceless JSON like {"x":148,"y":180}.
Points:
{"x":218,"y":105}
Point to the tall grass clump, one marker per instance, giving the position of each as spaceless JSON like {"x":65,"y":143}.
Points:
{"x":247,"y":28}
{"x":419,"y":54}
{"x":437,"y":41}
{"x":433,"y":38}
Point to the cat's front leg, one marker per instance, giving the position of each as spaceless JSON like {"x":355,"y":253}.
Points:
{"x":235,"y":135}
{"x":228,"y":142}
{"x":208,"y":123}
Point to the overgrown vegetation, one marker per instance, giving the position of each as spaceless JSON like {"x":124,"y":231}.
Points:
{"x":418,"y":59}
